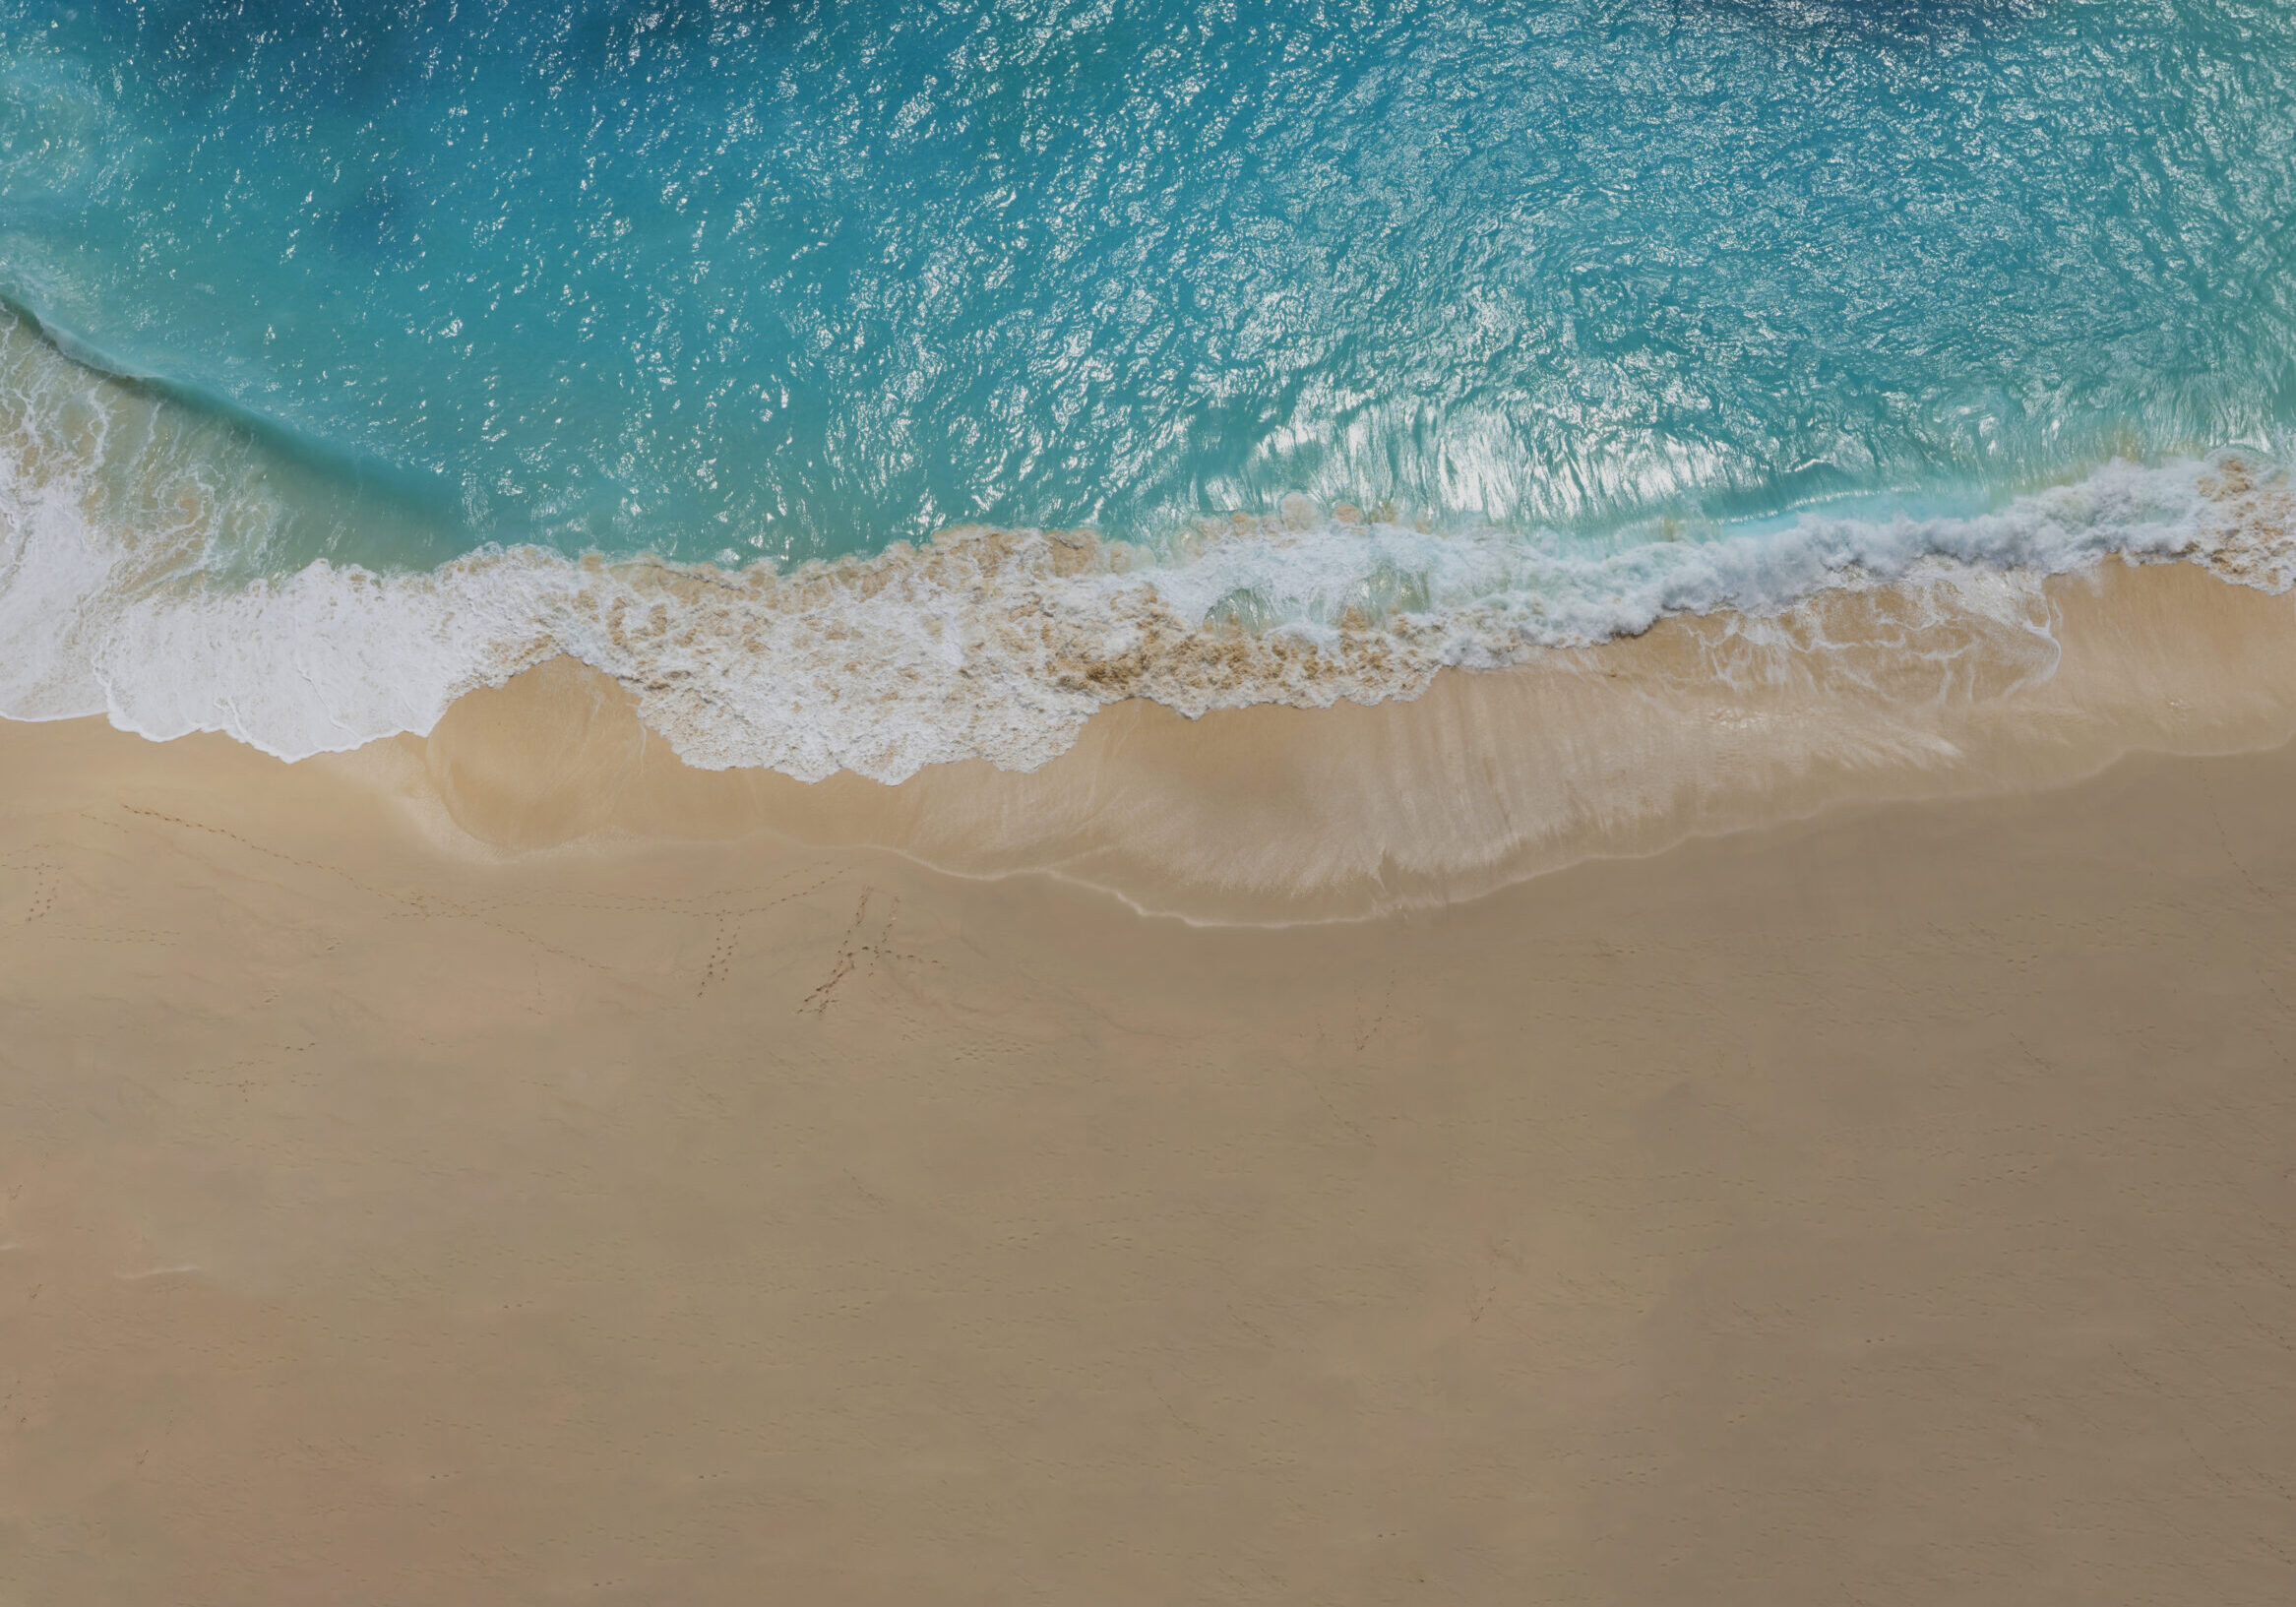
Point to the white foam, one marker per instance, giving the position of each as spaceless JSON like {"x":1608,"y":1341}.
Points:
{"x":986,"y":644}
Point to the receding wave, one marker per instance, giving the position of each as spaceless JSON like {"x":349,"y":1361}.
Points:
{"x":125,"y":590}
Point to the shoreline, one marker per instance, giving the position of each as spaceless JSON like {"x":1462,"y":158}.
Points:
{"x":150,"y":571}
{"x":1702,"y":726}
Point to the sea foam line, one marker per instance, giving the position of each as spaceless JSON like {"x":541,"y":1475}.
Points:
{"x":989,"y":644}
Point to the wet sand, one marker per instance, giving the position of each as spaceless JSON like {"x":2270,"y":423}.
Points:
{"x":1833,"y":1163}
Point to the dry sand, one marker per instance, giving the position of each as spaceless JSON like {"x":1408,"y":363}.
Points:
{"x":1739,"y":1155}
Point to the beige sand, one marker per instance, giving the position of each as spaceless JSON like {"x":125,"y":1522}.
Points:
{"x":411,"y":1195}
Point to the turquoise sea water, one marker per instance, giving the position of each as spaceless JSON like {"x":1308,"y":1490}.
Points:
{"x":729,"y":279}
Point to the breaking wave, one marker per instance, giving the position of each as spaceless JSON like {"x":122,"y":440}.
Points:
{"x":126,"y":590}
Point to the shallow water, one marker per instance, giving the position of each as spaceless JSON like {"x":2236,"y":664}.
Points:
{"x":1511,"y":321}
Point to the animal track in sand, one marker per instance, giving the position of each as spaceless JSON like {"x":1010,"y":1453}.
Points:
{"x":721,"y":961}
{"x":27,"y":891}
{"x":719,"y":965}
{"x":854,"y":951}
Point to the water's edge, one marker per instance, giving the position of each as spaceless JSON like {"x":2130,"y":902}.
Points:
{"x":985,"y":644}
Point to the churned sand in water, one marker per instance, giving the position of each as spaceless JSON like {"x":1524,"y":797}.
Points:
{"x":1607,"y":1132}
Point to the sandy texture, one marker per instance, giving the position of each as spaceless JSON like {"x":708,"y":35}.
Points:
{"x":1889,"y":1207}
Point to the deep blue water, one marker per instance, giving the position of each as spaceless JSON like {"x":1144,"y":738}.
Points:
{"x":728,"y":277}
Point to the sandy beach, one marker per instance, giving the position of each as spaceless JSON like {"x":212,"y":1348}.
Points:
{"x":510,"y":1167}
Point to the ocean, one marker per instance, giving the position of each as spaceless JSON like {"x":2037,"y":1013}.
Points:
{"x":868,"y":386}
